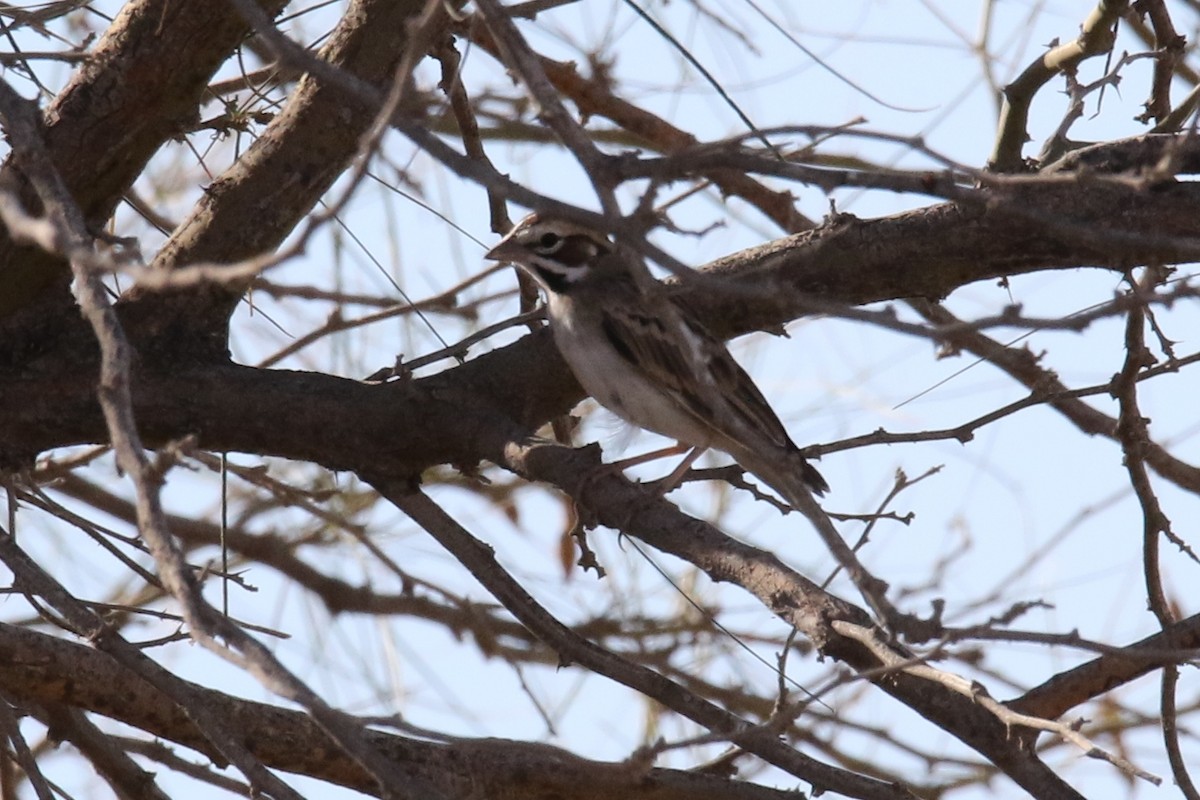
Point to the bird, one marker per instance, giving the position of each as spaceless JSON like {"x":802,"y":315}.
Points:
{"x":644,"y":357}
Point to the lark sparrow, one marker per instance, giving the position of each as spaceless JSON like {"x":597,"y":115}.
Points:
{"x":644,"y":358}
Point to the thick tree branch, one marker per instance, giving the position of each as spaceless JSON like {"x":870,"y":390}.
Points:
{"x":341,"y":424}
{"x":344,"y":424}
{"x":39,"y":668}
{"x":1097,"y":677}
{"x":140,"y":86}
{"x":256,"y":203}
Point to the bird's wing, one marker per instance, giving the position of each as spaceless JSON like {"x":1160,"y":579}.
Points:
{"x":751,"y":420}
{"x":739,"y":391}
{"x":676,"y":353}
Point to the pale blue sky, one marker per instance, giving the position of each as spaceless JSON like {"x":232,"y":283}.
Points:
{"x":1024,"y":483}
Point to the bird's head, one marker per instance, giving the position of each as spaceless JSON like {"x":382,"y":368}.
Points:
{"x":559,"y":254}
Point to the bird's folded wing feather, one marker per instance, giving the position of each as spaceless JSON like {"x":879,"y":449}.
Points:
{"x":688,"y":358}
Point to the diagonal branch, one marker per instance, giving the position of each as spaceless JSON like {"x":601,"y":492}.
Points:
{"x":613,"y":501}
{"x":572,"y":648}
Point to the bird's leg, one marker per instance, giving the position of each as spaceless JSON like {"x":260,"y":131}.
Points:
{"x":663,"y":485}
{"x":671,"y":481}
{"x":653,"y":455}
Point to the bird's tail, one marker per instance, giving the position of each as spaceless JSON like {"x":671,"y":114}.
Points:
{"x":814,"y":480}
{"x":786,"y":472}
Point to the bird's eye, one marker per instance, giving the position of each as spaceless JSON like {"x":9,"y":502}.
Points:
{"x":549,"y":241}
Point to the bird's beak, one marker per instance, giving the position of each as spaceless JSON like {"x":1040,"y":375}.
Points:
{"x":505,"y":250}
